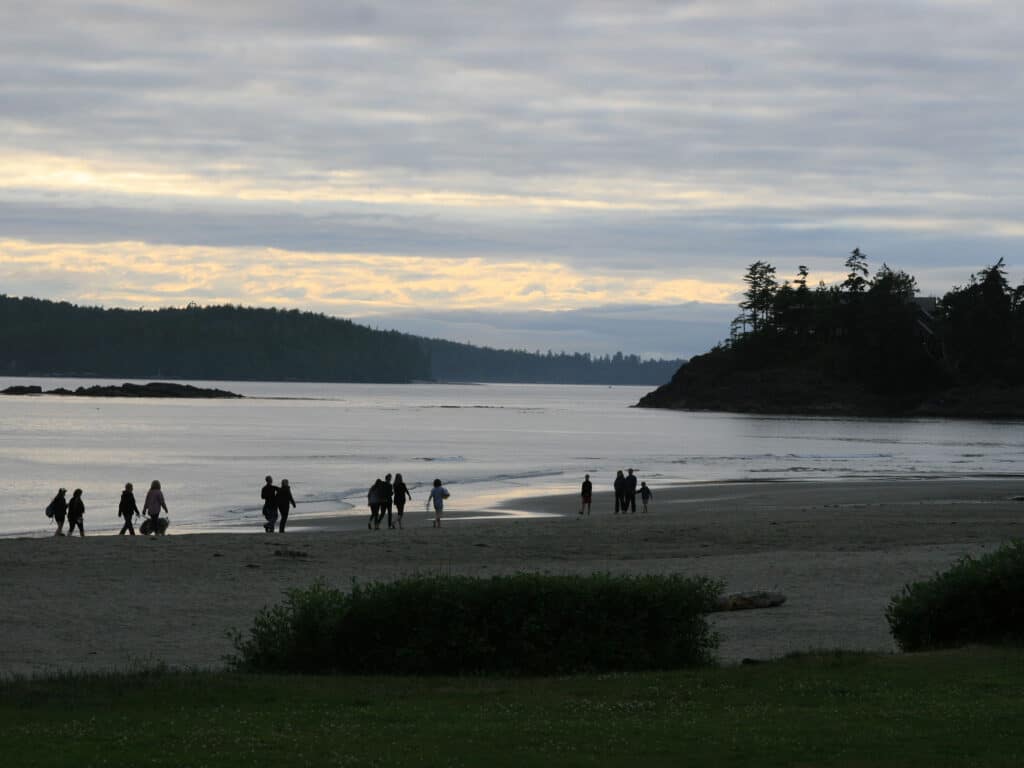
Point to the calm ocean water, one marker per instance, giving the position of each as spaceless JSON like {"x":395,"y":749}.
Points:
{"x":488,"y":443}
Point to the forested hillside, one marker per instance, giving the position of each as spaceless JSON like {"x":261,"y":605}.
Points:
{"x":867,"y":345}
{"x":45,"y":338}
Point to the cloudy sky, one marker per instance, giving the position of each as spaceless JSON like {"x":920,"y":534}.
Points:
{"x":585,"y":176}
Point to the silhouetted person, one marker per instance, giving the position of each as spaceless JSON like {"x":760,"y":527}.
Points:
{"x":58,"y":510}
{"x":386,"y":491}
{"x":152,"y":505}
{"x":284,"y":499}
{"x":586,"y":493}
{"x":373,"y":499}
{"x":269,"y":495}
{"x":126,"y":508}
{"x":76,"y":511}
{"x":645,"y":495}
{"x":620,"y":491}
{"x":630,"y":492}
{"x":437,"y":495}
{"x":401,"y":492}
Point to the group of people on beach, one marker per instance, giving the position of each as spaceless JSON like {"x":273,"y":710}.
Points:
{"x":385,"y":496}
{"x":73,"y":511}
{"x":626,"y":492}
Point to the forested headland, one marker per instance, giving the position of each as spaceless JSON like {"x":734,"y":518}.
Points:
{"x":232,"y":343}
{"x":866,"y":346}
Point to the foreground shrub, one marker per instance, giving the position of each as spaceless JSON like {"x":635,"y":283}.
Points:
{"x":978,"y":600}
{"x":522,"y":624}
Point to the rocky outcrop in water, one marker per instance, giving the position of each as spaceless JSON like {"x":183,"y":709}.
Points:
{"x":153,"y":389}
{"x":722,"y":380}
{"x":30,"y":390}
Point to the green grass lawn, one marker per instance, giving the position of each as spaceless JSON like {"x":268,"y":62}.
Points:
{"x":954,"y":708}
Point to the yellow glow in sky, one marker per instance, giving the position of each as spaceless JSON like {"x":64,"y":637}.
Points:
{"x":141,"y":274}
{"x":232,"y":183}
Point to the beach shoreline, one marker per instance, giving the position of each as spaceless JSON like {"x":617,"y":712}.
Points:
{"x":838,"y":550}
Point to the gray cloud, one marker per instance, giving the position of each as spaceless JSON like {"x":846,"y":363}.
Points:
{"x":790,"y":130}
{"x":439,"y":87}
{"x":713,"y":247}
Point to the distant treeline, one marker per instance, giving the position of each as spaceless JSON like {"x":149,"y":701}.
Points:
{"x":39,"y":337}
{"x":45,"y":338}
{"x":865,"y":345}
{"x":463,"y":362}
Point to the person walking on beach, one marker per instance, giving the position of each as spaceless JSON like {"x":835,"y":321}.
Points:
{"x":76,"y":511}
{"x":127,"y":508}
{"x":437,"y":495}
{"x":645,"y":495}
{"x":152,"y":505}
{"x":620,"y":491}
{"x":586,"y":492}
{"x":269,"y":495}
{"x":386,"y":490}
{"x":401,"y":492}
{"x":58,"y":510}
{"x":630,"y":498}
{"x":284,"y":499}
{"x":373,"y":499}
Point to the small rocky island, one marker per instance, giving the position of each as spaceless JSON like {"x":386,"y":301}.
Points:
{"x":153,"y":389}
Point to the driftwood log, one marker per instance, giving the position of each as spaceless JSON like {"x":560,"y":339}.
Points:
{"x":742,"y":601}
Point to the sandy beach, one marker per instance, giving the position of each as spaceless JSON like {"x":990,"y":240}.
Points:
{"x":837,"y":550}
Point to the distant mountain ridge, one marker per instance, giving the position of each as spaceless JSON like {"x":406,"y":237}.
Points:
{"x":39,"y":337}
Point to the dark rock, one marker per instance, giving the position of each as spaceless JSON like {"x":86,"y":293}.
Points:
{"x":976,"y":401}
{"x":723,"y":380}
{"x":153,"y":389}
{"x":30,"y":390}
{"x":726,"y":380}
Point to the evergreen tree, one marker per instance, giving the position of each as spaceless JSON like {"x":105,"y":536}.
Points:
{"x":759,"y":298}
{"x":857,"y":278}
{"x":978,"y":325}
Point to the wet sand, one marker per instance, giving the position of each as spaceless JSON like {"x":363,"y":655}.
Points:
{"x":837,"y":550}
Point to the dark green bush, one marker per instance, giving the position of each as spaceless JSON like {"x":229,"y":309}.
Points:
{"x":523,"y":624}
{"x":978,"y":600}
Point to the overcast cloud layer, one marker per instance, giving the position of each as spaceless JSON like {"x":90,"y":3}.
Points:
{"x":410,"y":160}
